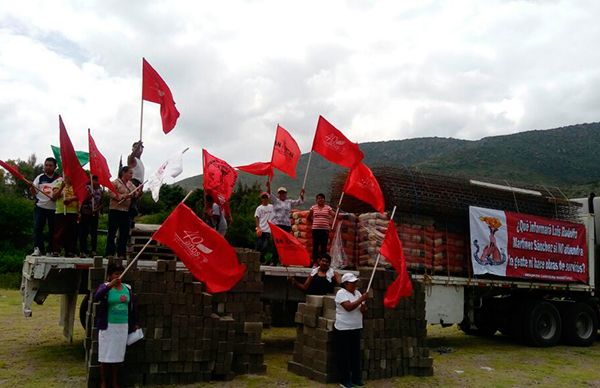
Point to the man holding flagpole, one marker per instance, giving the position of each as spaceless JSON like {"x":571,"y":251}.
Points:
{"x":45,"y":207}
{"x":282,"y":207}
{"x":134,"y":161}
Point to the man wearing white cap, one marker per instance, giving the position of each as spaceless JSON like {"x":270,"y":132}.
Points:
{"x":282,"y":207}
{"x":349,"y":309}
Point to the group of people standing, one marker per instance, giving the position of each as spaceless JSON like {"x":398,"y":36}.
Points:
{"x":278,"y":213}
{"x":71,"y":222}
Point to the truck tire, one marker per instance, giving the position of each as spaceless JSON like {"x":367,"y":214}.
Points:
{"x":83,"y":308}
{"x":580,"y":324}
{"x":542,"y":325}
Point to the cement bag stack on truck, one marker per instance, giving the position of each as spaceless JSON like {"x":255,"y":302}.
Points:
{"x":371,"y":232}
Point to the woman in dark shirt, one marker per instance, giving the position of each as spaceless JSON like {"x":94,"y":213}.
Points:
{"x":322,"y":279}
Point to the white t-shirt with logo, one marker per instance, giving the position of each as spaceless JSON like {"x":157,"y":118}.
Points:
{"x":347,"y":320}
{"x":264,"y":214}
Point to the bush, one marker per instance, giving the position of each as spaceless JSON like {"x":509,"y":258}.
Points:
{"x":16,"y":220}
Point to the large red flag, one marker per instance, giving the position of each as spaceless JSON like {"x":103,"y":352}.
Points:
{"x":258,"y":168}
{"x":391,"y":249}
{"x":98,"y":165}
{"x":219,"y":178}
{"x":290,"y":250}
{"x":361,"y":183}
{"x":70,"y":164}
{"x":331,"y":144}
{"x":207,"y":255}
{"x":155,"y":89}
{"x":14,"y":170}
{"x":286,"y":152}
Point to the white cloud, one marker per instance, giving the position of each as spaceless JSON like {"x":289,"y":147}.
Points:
{"x":378,"y":70}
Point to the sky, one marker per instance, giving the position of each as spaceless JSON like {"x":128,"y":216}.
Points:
{"x":377,"y":70}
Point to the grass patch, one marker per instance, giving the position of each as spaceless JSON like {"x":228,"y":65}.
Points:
{"x":33,"y":353}
{"x":11,"y":280}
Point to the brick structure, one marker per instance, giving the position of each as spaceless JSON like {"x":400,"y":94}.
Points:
{"x":393,"y":341}
{"x":190,"y":335}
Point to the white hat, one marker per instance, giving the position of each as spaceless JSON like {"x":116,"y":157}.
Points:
{"x":349,"y":277}
{"x":282,"y":189}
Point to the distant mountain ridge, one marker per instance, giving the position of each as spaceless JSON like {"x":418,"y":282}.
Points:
{"x":567,"y":157}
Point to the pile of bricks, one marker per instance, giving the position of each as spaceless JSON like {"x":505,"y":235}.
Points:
{"x":313,"y":349}
{"x":393,"y":341}
{"x":190,"y":335}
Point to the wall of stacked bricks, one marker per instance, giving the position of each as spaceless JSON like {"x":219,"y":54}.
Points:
{"x":190,"y":335}
{"x":393,"y":340}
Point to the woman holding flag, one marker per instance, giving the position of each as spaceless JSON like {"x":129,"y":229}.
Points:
{"x":118,"y":212}
{"x":349,"y":308}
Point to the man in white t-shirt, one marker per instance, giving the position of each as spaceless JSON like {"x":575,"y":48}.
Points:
{"x":349,"y":307}
{"x":45,"y":207}
{"x":263,"y":214}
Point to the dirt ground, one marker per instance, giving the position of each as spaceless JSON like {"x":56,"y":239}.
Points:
{"x":33,"y":353}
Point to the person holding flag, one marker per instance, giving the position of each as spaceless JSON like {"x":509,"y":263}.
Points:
{"x":88,"y":220}
{"x":135,"y":164}
{"x":118,"y":212}
{"x":320,"y":215}
{"x":215,"y":215}
{"x":66,"y":214}
{"x":282,"y":207}
{"x":349,"y":308}
{"x":45,"y":207}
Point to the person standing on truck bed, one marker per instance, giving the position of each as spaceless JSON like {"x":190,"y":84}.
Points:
{"x":282,"y":207}
{"x":320,"y":216}
{"x":116,"y":317}
{"x":135,"y":164}
{"x":263,"y":215}
{"x":65,"y":218}
{"x":118,"y":213}
{"x":43,"y":212}
{"x":88,"y":221}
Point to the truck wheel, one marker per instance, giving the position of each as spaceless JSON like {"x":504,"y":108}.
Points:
{"x":542,"y":324}
{"x":580,"y":324}
{"x":83,"y":308}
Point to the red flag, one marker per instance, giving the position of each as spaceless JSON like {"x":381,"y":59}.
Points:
{"x":258,"y":168}
{"x":14,"y":170}
{"x":391,"y":249}
{"x":219,"y":178}
{"x":286,"y":152}
{"x":331,"y":144}
{"x":98,"y":165}
{"x":207,"y":255}
{"x":361,"y":183}
{"x":290,"y":250}
{"x":155,"y":89}
{"x":70,"y":164}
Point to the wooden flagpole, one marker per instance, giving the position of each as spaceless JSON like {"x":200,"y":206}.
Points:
{"x":306,"y":172}
{"x":142,"y":102}
{"x":147,"y":243}
{"x":337,"y":210}
{"x":378,"y":256}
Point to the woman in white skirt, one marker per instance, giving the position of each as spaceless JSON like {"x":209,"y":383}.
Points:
{"x":116,"y":317}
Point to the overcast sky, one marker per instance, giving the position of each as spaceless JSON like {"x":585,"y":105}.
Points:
{"x":378,"y":70}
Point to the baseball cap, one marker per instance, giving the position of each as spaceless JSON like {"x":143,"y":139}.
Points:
{"x":349,"y":277}
{"x":264,"y":194}
{"x":282,"y":189}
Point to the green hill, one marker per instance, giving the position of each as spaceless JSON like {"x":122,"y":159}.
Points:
{"x":565,"y":157}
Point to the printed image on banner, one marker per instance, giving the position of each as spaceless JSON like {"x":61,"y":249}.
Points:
{"x":489,"y":241}
{"x":528,"y":247}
